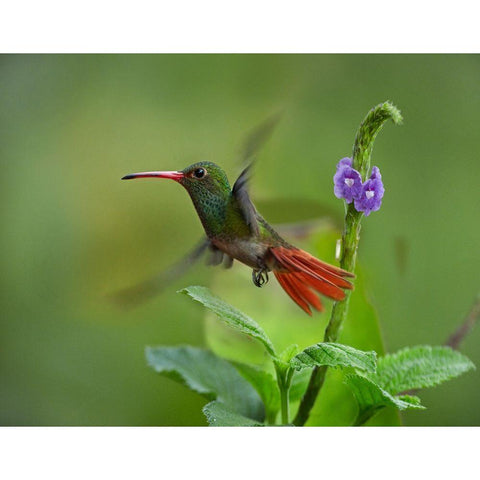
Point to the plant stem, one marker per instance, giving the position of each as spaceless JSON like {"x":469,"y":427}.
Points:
{"x":284,"y":379}
{"x":284,"y":405}
{"x":350,"y":239}
{"x":362,"y":151}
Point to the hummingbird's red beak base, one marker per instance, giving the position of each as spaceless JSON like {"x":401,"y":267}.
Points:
{"x":173,"y":175}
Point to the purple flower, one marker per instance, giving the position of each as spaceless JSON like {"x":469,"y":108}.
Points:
{"x":348,"y":185}
{"x":370,"y":198}
{"x":375,"y":174}
{"x":347,"y":181}
{"x":344,"y":162}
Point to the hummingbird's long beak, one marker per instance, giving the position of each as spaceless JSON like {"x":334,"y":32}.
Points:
{"x":173,"y":175}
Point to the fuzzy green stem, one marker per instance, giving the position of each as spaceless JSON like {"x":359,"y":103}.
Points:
{"x":284,"y":406}
{"x":368,"y":130}
{"x":362,"y":151}
{"x":284,"y":379}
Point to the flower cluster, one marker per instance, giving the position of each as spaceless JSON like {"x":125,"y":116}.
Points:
{"x":367,"y":196}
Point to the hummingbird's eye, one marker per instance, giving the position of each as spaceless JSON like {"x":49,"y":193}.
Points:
{"x":199,"y":173}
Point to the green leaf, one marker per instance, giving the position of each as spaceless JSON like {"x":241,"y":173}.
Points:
{"x":266,"y":386}
{"x":334,"y":355}
{"x":411,"y":400}
{"x":368,"y":394}
{"x":287,"y":354}
{"x":208,"y":375}
{"x":299,"y":384}
{"x":219,"y":415}
{"x":230,"y":315}
{"x":419,"y":367}
{"x":371,"y":398}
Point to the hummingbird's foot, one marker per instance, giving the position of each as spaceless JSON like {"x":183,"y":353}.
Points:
{"x":260,"y":277}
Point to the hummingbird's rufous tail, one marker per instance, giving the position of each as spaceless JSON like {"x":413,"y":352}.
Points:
{"x":301,"y":275}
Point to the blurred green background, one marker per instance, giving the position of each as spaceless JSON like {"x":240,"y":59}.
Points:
{"x":73,"y":125}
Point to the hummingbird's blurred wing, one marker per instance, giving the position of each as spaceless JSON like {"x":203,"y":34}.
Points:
{"x":252,"y":144}
{"x":217,"y":257}
{"x":257,"y":137}
{"x":240,"y":192}
{"x":141,"y":292}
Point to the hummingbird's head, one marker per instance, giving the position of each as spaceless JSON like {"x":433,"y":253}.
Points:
{"x":205,"y":177}
{"x":202,"y":179}
{"x":208,"y":187}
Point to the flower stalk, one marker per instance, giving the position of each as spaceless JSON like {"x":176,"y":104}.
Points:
{"x":362,"y":151}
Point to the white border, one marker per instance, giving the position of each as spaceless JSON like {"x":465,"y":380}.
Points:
{"x":247,"y":26}
{"x":238,"y":453}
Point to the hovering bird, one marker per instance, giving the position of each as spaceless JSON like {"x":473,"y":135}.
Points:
{"x":236,"y":231}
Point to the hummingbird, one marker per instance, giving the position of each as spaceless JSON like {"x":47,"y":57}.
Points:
{"x":236,"y":231}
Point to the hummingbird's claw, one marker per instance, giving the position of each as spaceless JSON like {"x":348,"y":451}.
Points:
{"x":260,"y":277}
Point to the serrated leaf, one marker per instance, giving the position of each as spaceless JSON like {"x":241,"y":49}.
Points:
{"x":230,"y":315}
{"x":299,"y":384}
{"x":219,"y":415}
{"x":370,"y":397}
{"x":334,"y":355}
{"x":265,"y":385}
{"x":289,"y":353}
{"x":411,"y":400}
{"x":419,"y":367}
{"x":208,"y":375}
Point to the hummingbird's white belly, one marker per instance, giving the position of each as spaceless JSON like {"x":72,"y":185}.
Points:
{"x":244,"y":250}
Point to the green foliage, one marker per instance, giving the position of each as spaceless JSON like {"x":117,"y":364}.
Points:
{"x":371,"y":398}
{"x":287,"y":354}
{"x":209,"y":375}
{"x":334,"y":355}
{"x":275,"y":394}
{"x":266,"y":386}
{"x":219,"y":415}
{"x":299,"y":384}
{"x":419,"y":367}
{"x":239,"y":321}
{"x":245,"y":394}
{"x":230,"y":315}
{"x":368,"y":394}
{"x":286,"y":323}
{"x":409,"y":369}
